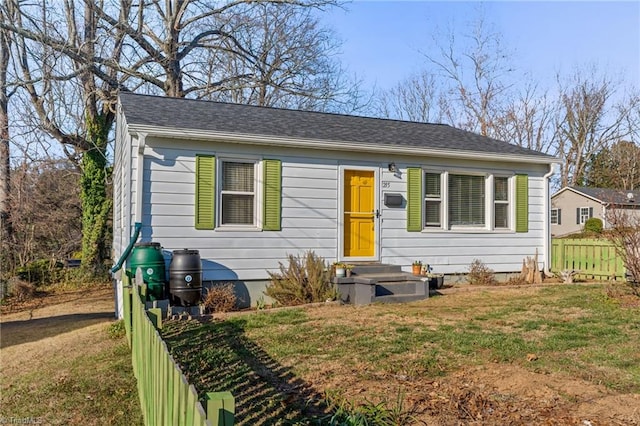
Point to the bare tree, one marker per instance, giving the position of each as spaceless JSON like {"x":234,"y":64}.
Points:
{"x":625,"y":234}
{"x":91,"y":53}
{"x":529,"y":121}
{"x":414,"y":99}
{"x":48,"y":216}
{"x":52,"y":57}
{"x":6,"y":230}
{"x":476,"y":79}
{"x":288,"y":60}
{"x":588,"y":121}
{"x":615,"y":167}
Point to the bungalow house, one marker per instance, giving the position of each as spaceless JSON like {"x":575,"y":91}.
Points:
{"x":247,"y":185}
{"x":572,"y":206}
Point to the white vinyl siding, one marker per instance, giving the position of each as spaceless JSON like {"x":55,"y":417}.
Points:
{"x":310,"y":220}
{"x":451,"y":250}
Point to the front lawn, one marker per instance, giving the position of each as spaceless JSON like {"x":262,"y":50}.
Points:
{"x":532,"y":354}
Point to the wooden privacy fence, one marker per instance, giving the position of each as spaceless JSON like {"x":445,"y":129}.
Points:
{"x":166,"y":398}
{"x":594,"y":259}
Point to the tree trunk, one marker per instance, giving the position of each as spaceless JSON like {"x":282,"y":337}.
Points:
{"x":96,"y":204}
{"x":6,"y":230}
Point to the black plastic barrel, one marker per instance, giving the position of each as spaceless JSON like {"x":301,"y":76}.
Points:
{"x":185,"y":278}
{"x":148,"y":256}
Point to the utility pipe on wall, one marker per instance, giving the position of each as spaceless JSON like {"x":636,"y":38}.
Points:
{"x":547,"y":215}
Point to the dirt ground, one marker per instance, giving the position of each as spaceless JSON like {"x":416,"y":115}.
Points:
{"x":31,"y":332}
{"x":55,"y":319}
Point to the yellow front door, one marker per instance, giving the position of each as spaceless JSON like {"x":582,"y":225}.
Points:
{"x":359,"y":219}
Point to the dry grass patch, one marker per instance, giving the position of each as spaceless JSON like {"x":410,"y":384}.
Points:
{"x":60,"y":366}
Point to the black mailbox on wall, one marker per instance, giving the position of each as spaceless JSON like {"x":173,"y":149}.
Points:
{"x":393,"y":200}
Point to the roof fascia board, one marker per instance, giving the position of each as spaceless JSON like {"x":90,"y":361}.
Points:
{"x":587,"y":196}
{"x":560,"y":191}
{"x":325,"y":144}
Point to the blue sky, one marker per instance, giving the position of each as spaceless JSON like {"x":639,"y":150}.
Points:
{"x":382,"y":41}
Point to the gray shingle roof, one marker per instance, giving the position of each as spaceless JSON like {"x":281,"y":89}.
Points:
{"x":177,"y":113}
{"x":608,"y":195}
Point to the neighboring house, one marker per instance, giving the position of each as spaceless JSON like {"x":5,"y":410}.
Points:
{"x":572,"y":206}
{"x":247,"y":185}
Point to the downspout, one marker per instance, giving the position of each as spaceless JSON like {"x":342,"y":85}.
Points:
{"x":138,"y":224}
{"x":127,"y":251}
{"x":547,"y":227}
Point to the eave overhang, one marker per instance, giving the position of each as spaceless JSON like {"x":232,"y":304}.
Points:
{"x":321,"y":144}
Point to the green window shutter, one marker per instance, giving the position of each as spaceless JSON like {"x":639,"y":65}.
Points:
{"x":272,"y":195}
{"x":522,"y":203}
{"x":414,"y":199}
{"x":205,"y":191}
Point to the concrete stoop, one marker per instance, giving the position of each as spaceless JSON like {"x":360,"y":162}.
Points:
{"x":381,"y":283}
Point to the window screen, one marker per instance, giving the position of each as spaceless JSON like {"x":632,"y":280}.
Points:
{"x":432,"y":200}
{"x":501,"y":202}
{"x":238,"y":195}
{"x":466,"y":200}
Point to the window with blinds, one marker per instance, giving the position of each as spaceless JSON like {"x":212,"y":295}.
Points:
{"x":432,"y":201}
{"x":237,"y":194}
{"x":466,"y":200}
{"x":501,"y":202}
{"x":474,"y":201}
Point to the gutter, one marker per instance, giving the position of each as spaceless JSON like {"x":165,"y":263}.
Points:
{"x":142,"y":143}
{"x":547,"y":226}
{"x":333,"y":145}
{"x":142,"y":140}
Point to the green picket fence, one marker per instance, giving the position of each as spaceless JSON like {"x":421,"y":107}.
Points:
{"x":166,"y":397}
{"x":595,"y":259}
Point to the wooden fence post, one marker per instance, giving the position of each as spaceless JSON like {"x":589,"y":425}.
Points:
{"x":561,"y":255}
{"x":221,"y":408}
{"x":155,"y":315}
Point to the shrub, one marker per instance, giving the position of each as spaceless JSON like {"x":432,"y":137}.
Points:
{"x":625,"y":234}
{"x":305,"y":280}
{"x":220,"y":298}
{"x":480,"y":274}
{"x":40,"y":272}
{"x":594,"y":225}
{"x":20,"y":289}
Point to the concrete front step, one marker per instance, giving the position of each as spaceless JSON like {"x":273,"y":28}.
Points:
{"x":376,"y":268}
{"x":399,"y":298}
{"x":371,"y":283}
{"x":391,"y":277}
{"x":400,"y":288}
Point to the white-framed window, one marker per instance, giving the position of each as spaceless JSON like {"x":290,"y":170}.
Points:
{"x":501,"y":202}
{"x":584,"y":214}
{"x":237,"y":199}
{"x":458,"y":200}
{"x":555,"y":216}
{"x":432,"y":200}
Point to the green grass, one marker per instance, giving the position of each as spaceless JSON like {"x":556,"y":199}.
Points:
{"x":78,"y":386}
{"x":574,"y":329}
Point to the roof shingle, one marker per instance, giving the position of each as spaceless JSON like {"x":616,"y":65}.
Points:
{"x":180,"y":113}
{"x":609,"y":195}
